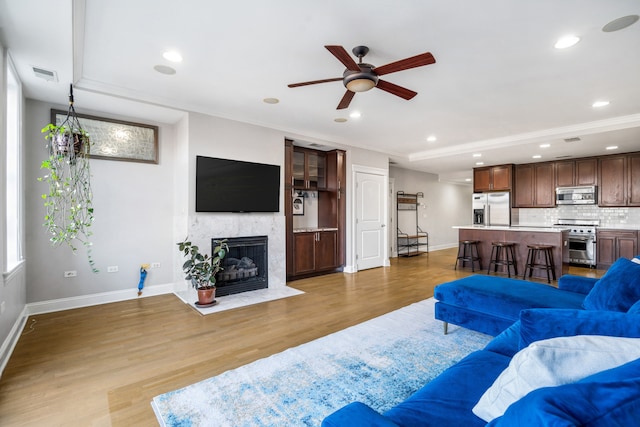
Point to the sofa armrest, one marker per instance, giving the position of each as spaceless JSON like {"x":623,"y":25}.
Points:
{"x":357,"y":414}
{"x":578,"y":284}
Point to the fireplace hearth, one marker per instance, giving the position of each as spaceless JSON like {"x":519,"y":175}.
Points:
{"x":245,"y":266}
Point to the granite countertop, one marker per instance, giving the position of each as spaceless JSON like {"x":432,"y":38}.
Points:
{"x":311,"y":230}
{"x":537,"y":229}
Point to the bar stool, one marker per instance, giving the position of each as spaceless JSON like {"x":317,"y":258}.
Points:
{"x":535,"y":252}
{"x":503,"y":253}
{"x":465,"y":254}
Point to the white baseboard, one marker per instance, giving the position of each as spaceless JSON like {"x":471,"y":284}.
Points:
{"x":97,"y":299}
{"x":12,"y":339}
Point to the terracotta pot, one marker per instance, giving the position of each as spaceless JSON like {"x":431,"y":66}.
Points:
{"x":206,"y":295}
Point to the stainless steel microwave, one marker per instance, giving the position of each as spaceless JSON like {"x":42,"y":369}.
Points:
{"x":586,"y":195}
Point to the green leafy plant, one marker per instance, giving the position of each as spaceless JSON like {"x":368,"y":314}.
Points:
{"x":201,"y":269}
{"x":68,"y":201}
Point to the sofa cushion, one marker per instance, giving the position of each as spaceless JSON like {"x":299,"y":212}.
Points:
{"x":608,"y":398}
{"x":618,"y":289}
{"x":504,"y":297}
{"x":545,"y":323}
{"x":506,"y":343}
{"x":554,"y":362}
{"x":357,"y":414}
{"x":447,"y":400}
{"x":635,"y":308}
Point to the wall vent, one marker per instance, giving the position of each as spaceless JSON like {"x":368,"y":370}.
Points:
{"x":574,"y":139}
{"x":50,"y":76}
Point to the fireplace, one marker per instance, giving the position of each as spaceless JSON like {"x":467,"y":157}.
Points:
{"x":245,"y":266}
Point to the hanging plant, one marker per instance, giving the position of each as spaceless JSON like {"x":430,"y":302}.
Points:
{"x":68,"y":202}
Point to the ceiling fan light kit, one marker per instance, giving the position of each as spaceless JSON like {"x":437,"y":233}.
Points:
{"x":361,"y":77}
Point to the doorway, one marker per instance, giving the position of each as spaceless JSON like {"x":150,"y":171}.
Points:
{"x":370,"y":218}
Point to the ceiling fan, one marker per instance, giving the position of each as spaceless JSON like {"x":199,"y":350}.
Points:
{"x":360,"y":77}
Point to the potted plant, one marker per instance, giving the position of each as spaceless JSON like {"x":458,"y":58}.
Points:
{"x":68,"y":201}
{"x":201,"y":269}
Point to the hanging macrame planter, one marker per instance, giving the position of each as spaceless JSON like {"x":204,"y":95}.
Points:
{"x":68,"y":203}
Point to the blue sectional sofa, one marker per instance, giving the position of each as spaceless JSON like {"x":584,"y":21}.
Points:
{"x":577,"y":365}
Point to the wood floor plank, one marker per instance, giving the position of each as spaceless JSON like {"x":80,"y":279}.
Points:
{"x":102,"y":365}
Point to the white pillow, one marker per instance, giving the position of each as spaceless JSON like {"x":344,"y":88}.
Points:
{"x":636,"y":260}
{"x":553,"y":362}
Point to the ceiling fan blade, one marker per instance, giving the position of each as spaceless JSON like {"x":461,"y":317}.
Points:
{"x":344,"y":57}
{"x":394,"y":89}
{"x":346,"y":100}
{"x":313,"y":82}
{"x":405,"y":64}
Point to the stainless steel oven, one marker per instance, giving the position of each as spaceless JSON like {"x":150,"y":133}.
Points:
{"x":582,"y":240}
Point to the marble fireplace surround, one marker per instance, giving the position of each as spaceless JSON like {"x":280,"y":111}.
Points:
{"x":202,"y":227}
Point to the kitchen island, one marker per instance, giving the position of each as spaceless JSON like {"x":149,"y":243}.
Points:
{"x":521,"y":236}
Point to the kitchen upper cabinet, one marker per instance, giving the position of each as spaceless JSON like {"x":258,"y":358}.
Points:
{"x":308,"y":169}
{"x":619,"y":178}
{"x":633,"y":186}
{"x":534,"y":185}
{"x":493,"y":178}
{"x":572,"y":173}
{"x":614,"y":244}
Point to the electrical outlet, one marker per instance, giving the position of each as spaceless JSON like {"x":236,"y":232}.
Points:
{"x":70,"y":273}
{"x":112,"y":269}
{"x":155,"y":265}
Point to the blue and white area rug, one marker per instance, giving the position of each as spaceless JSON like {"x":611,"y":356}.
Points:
{"x":379,"y":362}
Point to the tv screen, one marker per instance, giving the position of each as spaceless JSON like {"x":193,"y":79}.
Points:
{"x":234,"y":186}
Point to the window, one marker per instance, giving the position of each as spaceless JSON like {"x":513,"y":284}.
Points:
{"x":13,"y":169}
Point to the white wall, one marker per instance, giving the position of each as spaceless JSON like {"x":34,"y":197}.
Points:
{"x":134,"y":219}
{"x":443,"y":206}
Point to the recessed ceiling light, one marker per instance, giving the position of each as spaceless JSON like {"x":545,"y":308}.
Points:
{"x":545,"y":145}
{"x":271,"y":100}
{"x":612,"y":147}
{"x":599,"y":104}
{"x":431,"y":138}
{"x":477,"y":155}
{"x":479,"y":163}
{"x":536,"y":156}
{"x":163,"y":69}
{"x":620,"y":23}
{"x":566,"y":41}
{"x":340,"y":120}
{"x":355,"y":115}
{"x":468,"y":179}
{"x":172,"y":55}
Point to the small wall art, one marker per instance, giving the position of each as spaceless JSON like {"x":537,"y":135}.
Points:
{"x":116,"y":139}
{"x":298,"y":205}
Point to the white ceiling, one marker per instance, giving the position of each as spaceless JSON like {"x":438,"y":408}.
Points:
{"x":498,"y":88}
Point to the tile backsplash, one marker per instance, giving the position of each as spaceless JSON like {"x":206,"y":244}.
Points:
{"x":627,"y":218}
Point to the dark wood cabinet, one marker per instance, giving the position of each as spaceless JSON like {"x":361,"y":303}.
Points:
{"x":534,"y":185}
{"x":612,"y":176}
{"x":571,"y":173}
{"x":315,"y":251}
{"x":320,"y":248}
{"x":493,"y":178}
{"x":308,"y":169}
{"x":613,"y":244}
{"x":633,"y":185}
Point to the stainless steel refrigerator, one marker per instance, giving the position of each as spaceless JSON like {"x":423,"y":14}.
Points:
{"x":491,"y":208}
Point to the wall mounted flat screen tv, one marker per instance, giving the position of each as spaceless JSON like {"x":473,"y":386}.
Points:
{"x":235,"y":186}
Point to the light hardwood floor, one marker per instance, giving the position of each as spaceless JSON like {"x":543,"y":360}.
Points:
{"x":102,"y":365}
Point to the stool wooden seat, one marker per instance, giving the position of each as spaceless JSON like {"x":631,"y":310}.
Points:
{"x":540,"y":251}
{"x":503,"y":253}
{"x":466,"y":254}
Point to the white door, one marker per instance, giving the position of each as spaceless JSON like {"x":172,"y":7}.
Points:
{"x":370,"y":220}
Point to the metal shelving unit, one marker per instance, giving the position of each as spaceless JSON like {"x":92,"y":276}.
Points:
{"x":409,"y":243}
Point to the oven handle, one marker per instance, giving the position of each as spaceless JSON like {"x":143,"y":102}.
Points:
{"x":583,"y":238}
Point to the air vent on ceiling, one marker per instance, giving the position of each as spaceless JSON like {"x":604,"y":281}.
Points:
{"x":574,"y":139}
{"x":564,"y":157}
{"x":50,"y":76}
